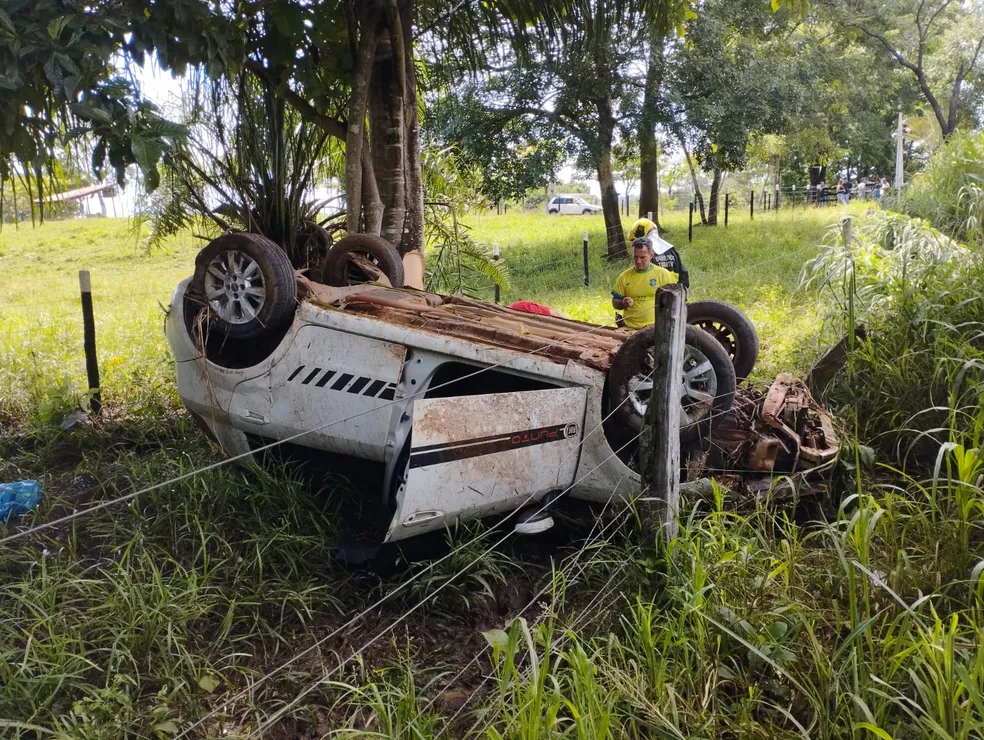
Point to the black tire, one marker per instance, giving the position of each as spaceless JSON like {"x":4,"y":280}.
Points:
{"x":553,"y":211}
{"x":732,"y":328}
{"x":586,"y":212}
{"x":246,"y":284}
{"x":340,"y":270}
{"x":634,"y":358}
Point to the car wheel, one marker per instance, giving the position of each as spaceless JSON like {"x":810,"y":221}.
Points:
{"x":732,"y":328}
{"x":708,"y":385}
{"x":246,"y":284}
{"x":553,"y":211}
{"x":586,"y":212}
{"x":362,"y":258}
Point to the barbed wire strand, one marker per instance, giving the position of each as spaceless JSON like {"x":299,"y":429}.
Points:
{"x":584,"y":615}
{"x":590,"y":540}
{"x":266,"y":724}
{"x":291,"y":438}
{"x":378,"y":603}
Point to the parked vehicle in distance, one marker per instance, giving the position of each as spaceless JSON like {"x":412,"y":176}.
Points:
{"x":571,"y":205}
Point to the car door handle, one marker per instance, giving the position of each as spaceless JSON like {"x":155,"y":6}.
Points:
{"x":420,"y":517}
{"x":254,"y":417}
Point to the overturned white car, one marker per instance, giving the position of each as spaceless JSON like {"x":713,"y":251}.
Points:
{"x":471,"y":409}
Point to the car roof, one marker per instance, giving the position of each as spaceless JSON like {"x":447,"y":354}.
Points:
{"x":473,"y":320}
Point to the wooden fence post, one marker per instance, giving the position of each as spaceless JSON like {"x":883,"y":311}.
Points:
{"x":662,"y":475}
{"x":495,"y":256}
{"x":584,"y":255}
{"x":89,"y":342}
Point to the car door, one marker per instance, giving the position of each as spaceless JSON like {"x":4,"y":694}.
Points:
{"x":333,"y":388}
{"x":472,"y":456}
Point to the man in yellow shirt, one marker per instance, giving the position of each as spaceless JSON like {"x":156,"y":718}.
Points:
{"x":635,"y":289}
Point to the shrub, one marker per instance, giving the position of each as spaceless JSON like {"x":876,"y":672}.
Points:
{"x":950,"y":192}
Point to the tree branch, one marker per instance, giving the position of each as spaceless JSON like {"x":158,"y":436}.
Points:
{"x":331,"y":126}
{"x":540,"y":113}
{"x":916,"y":70}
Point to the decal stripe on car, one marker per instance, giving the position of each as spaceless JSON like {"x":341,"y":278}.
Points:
{"x":329,"y":374}
{"x":464,"y":449}
{"x":362,"y":385}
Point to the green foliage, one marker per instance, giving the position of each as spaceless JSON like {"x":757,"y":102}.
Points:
{"x":949,"y":193}
{"x":726,"y":81}
{"x":59,"y":73}
{"x":251,"y":165}
{"x":152,"y":615}
{"x":516,"y":154}
{"x":936,"y":45}
{"x":456,"y":262}
{"x":915,"y":381}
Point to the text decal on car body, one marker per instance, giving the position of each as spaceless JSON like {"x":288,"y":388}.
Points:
{"x":450,"y":451}
{"x":346,"y":382}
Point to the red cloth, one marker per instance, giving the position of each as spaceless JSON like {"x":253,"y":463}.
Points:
{"x":530,"y":307}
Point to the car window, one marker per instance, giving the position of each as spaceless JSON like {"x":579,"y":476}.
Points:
{"x":580,"y":201}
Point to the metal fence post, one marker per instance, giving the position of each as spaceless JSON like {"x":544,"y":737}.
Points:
{"x":584,"y":254}
{"x":751,"y":206}
{"x":89,"y":343}
{"x":662,"y":421}
{"x":727,"y":205}
{"x":690,"y":226}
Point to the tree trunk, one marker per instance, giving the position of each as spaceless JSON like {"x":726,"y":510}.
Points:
{"x":648,"y":151}
{"x":372,"y":206}
{"x":386,"y":122}
{"x":413,"y":230}
{"x":606,"y":180}
{"x":698,"y":196}
{"x":712,"y":209}
{"x":355,"y":136}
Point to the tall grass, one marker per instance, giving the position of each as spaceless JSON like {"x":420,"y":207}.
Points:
{"x":950,"y":192}
{"x":141,"y":620}
{"x":918,"y":375}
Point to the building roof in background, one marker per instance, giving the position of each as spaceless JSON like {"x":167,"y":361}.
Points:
{"x":107,"y":189}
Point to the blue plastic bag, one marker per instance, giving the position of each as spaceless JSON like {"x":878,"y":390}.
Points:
{"x":18,"y":498}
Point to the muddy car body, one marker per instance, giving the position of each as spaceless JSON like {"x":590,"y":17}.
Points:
{"x":470,"y":409}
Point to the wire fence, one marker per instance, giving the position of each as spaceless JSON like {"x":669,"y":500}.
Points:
{"x":594,"y":538}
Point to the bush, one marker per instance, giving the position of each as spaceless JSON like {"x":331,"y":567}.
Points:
{"x":916,"y":380}
{"x":950,"y":192}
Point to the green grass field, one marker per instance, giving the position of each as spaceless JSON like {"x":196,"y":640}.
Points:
{"x":204,"y":599}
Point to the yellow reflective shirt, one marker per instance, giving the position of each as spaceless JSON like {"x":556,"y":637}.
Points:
{"x":641,"y":288}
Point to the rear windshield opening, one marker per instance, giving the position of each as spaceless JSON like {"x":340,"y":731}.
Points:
{"x":459,"y":379}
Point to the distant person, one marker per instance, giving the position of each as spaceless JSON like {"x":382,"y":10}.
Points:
{"x":635,"y":289}
{"x":665,"y":254}
{"x":860,"y":189}
{"x":841,"y":192}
